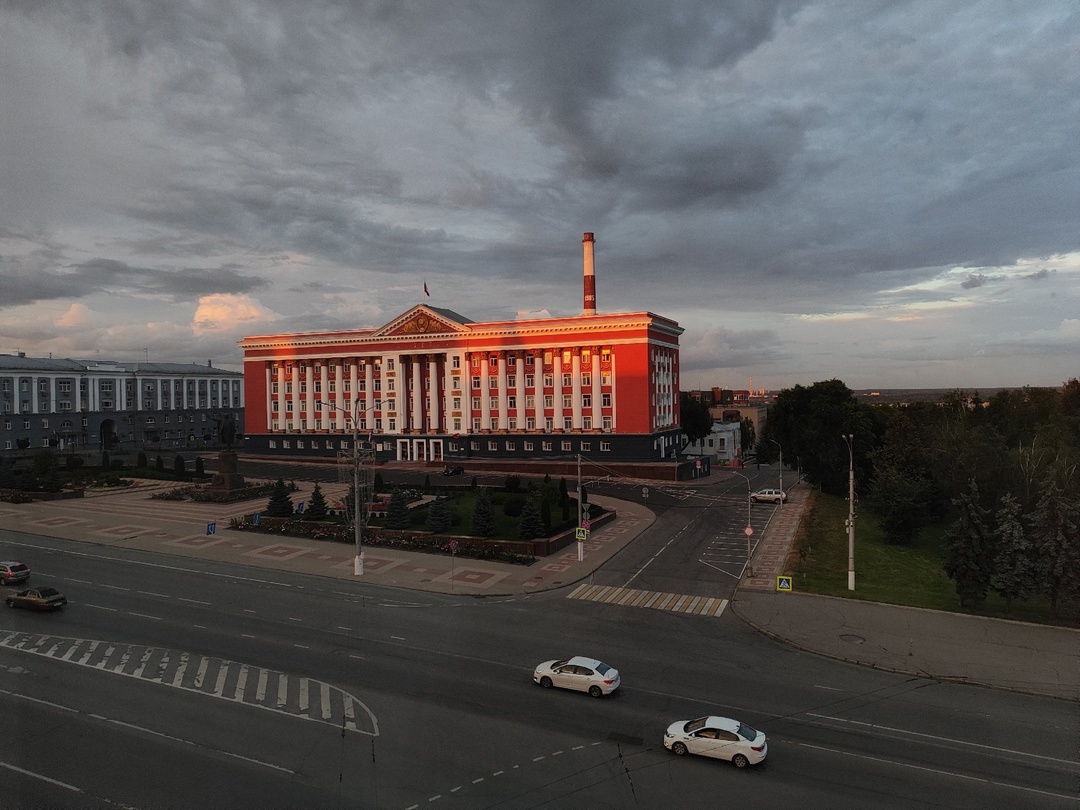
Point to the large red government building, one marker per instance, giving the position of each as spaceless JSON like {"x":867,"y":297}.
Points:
{"x":434,"y":386}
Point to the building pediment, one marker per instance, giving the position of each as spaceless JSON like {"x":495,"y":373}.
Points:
{"x":424,"y":320}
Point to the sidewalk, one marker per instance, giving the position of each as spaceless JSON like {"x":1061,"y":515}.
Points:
{"x":933,"y":644}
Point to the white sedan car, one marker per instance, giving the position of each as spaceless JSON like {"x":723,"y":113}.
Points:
{"x":718,"y":737}
{"x":580,"y":673}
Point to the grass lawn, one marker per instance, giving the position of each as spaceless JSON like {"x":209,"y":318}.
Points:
{"x":902,"y":575}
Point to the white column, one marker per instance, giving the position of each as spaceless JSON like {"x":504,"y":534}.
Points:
{"x":614,"y":383}
{"x":369,"y":385}
{"x":52,"y":394}
{"x":595,"y":413}
{"x":269,"y":383}
{"x":485,"y":391}
{"x":138,"y":392}
{"x":120,"y":399}
{"x":556,"y":400}
{"x":324,"y":381}
{"x":433,"y":409}
{"x":34,"y":395}
{"x":309,"y":406}
{"x":520,"y":392}
{"x":416,"y":412}
{"x":575,"y":370}
{"x":503,"y":393}
{"x":294,"y":397}
{"x":448,"y":387}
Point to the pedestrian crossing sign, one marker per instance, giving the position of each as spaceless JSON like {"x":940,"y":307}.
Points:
{"x":783,"y":583}
{"x":581,"y":534}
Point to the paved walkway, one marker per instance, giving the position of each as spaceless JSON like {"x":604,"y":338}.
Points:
{"x":933,"y":644}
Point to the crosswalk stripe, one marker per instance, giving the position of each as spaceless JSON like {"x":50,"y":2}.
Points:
{"x":655,"y":600}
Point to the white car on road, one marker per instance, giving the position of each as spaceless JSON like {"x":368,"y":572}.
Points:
{"x":717,"y":737}
{"x":769,"y":496}
{"x":580,"y":673}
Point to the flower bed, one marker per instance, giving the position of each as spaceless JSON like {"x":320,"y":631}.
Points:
{"x":470,"y":547}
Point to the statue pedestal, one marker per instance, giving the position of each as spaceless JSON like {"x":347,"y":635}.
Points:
{"x":227,"y":478}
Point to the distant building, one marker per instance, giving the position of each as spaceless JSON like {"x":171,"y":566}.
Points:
{"x":433,"y":385}
{"x":84,"y":406}
{"x":723,"y":445}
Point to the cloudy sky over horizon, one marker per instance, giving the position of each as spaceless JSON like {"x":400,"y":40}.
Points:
{"x":887,"y":193}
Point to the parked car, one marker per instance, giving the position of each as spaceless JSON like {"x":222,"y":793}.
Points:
{"x":717,"y":737}
{"x":42,"y":598}
{"x":12,"y":572}
{"x":769,"y":496}
{"x":580,"y":673}
{"x":453,"y":470}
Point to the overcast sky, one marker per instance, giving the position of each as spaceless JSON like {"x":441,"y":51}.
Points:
{"x":887,"y":193}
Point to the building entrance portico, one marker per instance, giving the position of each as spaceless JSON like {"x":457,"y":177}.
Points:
{"x":419,"y":449}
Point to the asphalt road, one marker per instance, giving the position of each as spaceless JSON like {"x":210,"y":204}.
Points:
{"x":185,"y":683}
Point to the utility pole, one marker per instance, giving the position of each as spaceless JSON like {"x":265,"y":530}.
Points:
{"x":774,"y":441}
{"x":581,"y":543}
{"x":850,"y":438}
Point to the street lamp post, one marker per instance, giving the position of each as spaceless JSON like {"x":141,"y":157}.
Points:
{"x":774,"y":441}
{"x":850,"y":438}
{"x":749,"y":530}
{"x":357,"y":463}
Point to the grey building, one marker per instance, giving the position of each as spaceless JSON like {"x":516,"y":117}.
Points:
{"x":90,"y":406}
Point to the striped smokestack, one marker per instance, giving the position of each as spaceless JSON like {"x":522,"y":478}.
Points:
{"x":590,"y":279}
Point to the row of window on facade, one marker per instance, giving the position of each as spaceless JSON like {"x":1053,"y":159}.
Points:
{"x":107,"y":405}
{"x":390,"y":405}
{"x":106,"y":386}
{"x":66,"y":424}
{"x":477,"y":423}
{"x":493,"y":383}
{"x":455,"y":361}
{"x":509,"y":445}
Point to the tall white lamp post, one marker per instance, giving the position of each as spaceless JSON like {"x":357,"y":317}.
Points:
{"x":357,"y":463}
{"x":850,"y":438}
{"x":774,"y":441}
{"x":749,"y":530}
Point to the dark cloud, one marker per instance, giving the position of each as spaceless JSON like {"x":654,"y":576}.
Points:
{"x":768,"y":158}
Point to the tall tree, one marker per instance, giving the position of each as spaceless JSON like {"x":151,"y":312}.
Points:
{"x":483,"y":518}
{"x":397,"y":513}
{"x":316,"y":508}
{"x":1056,"y":538}
{"x":439,"y":517}
{"x":969,"y":552}
{"x":903,"y":492}
{"x":696,"y":421}
{"x":1015,"y":575}
{"x":280,"y":503}
{"x":532,"y":525}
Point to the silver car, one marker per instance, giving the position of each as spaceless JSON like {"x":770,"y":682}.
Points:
{"x":12,"y":572}
{"x":769,"y":496}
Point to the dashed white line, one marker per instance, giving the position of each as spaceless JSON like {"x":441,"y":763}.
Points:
{"x":42,"y":777}
{"x":144,"y":616}
{"x":193,"y":601}
{"x":151,"y":593}
{"x":101,"y":607}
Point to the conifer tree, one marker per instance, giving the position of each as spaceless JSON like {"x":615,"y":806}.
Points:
{"x":969,"y":549}
{"x":483,"y":519}
{"x":439,"y":517}
{"x":532,"y":525}
{"x":280,"y":503}
{"x":397,"y":513}
{"x":316,"y":507}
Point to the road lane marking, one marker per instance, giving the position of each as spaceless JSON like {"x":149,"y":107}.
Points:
{"x":42,"y":777}
{"x":938,"y":771}
{"x":654,"y":600}
{"x":939,"y":738}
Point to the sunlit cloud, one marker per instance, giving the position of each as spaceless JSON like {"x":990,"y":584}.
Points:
{"x":225,"y":313}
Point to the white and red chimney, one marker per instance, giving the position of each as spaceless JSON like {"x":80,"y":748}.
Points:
{"x":590,"y":278}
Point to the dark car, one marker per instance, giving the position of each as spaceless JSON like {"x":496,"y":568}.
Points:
{"x":12,"y":572}
{"x":37,"y":599}
{"x":453,"y":470}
